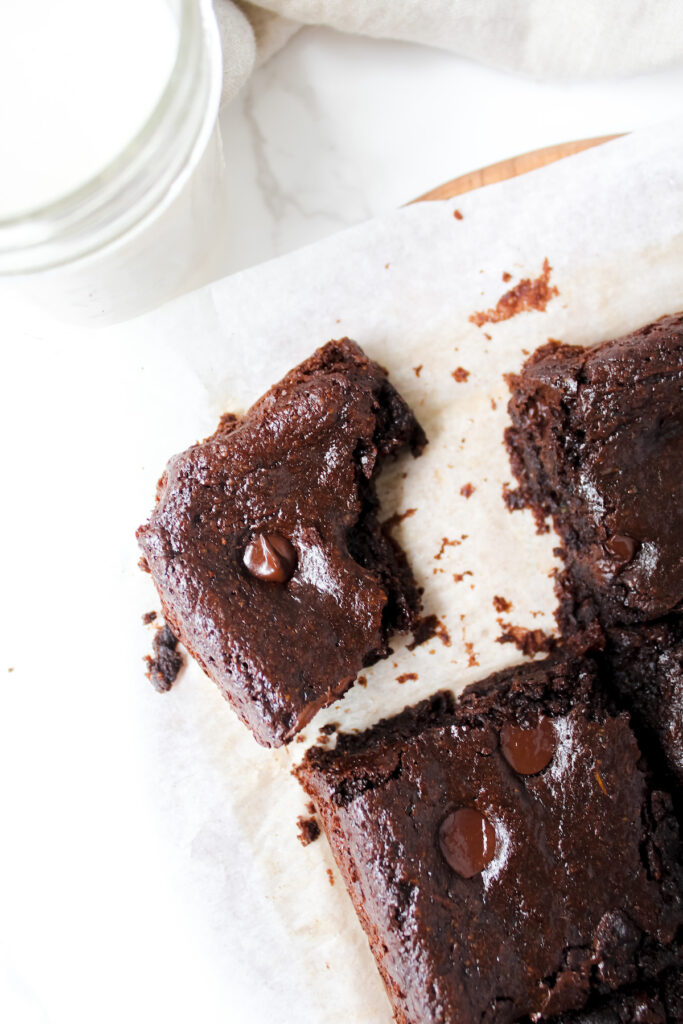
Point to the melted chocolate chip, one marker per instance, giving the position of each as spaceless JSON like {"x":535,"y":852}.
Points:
{"x":622,"y":547}
{"x":528,"y":751}
{"x":468,"y":841}
{"x":270,"y":556}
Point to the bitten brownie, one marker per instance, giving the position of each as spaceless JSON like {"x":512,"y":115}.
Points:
{"x":597,"y":443}
{"x":507,"y":856}
{"x":644,"y":667}
{"x":266,"y":548}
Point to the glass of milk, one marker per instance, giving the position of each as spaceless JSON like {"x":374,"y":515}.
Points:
{"x":112,"y":185}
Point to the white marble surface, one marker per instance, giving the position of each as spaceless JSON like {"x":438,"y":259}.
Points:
{"x":336,"y":129}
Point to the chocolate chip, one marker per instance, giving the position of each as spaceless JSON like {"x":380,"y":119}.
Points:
{"x":270,"y":556}
{"x":468,"y":841}
{"x":528,"y":751}
{"x":622,"y":547}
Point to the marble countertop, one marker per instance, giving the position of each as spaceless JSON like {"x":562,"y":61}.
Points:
{"x":336,"y":129}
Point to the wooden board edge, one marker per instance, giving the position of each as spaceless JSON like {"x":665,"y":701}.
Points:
{"x":512,"y":167}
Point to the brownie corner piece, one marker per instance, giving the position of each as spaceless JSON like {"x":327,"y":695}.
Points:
{"x":266,"y":548}
{"x":507,"y":855}
{"x":596,"y":442}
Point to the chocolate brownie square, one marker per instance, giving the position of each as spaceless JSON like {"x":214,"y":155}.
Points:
{"x":597,"y":442}
{"x":644,"y":667}
{"x":266,"y":548}
{"x":507,"y":855}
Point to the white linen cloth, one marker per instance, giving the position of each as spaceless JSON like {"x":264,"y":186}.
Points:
{"x":544,"y":38}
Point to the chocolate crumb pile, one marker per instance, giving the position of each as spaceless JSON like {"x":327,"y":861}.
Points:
{"x":527,"y":295}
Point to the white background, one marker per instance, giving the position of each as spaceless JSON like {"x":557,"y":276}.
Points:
{"x":332,"y":131}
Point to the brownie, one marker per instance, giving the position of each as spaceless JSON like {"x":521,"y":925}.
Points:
{"x":508,"y":856}
{"x":596,"y":442}
{"x":265,"y":544}
{"x":644,"y":667}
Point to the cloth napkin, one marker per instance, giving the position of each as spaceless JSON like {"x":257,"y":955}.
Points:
{"x":543,"y":38}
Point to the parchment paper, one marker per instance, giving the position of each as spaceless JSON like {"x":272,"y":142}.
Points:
{"x":281,"y":935}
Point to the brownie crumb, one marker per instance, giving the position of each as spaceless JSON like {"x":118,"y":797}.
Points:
{"x":330,"y":876}
{"x":467,"y":490}
{"x":472,"y":659}
{"x":506,"y":277}
{"x":329,"y":729}
{"x":417,"y":370}
{"x":446,"y":542}
{"x":494,"y":404}
{"x":526,"y":296}
{"x":501,"y":604}
{"x":362,"y":681}
{"x":406,"y":677}
{"x":143,"y":564}
{"x":460,"y":374}
{"x":398,"y":517}
{"x":458,"y":577}
{"x":149,"y":617}
{"x":457,"y":214}
{"x":309,"y":830}
{"x":163,"y":667}
{"x":529,"y":641}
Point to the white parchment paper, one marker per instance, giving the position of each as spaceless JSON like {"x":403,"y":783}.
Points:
{"x":269,"y":920}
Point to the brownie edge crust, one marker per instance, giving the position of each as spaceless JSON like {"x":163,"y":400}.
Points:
{"x":266,"y":548}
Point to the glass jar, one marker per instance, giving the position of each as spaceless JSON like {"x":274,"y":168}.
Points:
{"x":152,"y":224}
